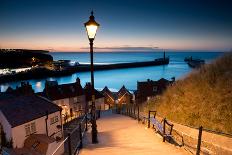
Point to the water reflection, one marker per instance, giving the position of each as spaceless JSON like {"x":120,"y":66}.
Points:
{"x":114,"y":79}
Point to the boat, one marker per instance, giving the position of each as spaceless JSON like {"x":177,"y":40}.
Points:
{"x":194,"y":63}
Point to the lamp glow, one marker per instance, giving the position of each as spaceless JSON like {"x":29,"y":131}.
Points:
{"x":91,"y":27}
{"x":91,"y":30}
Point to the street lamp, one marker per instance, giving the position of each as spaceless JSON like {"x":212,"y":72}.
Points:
{"x":91,"y":29}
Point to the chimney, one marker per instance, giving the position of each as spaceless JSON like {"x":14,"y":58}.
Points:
{"x":88,"y":85}
{"x":78,"y":81}
{"x":26,"y":89}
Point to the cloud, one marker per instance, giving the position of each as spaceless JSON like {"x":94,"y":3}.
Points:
{"x":125,"y":48}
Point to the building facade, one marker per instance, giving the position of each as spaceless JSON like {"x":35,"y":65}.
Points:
{"x":99,"y":98}
{"x":123,"y":96}
{"x":24,"y":115}
{"x":70,"y":97}
{"x":150,"y":88}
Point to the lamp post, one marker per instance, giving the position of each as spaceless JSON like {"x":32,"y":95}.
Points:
{"x":91,"y":29}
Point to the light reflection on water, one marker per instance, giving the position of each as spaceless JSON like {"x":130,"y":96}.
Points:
{"x":114,"y":79}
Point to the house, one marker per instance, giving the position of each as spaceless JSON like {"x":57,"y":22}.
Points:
{"x":150,"y":88}
{"x":24,"y":89}
{"x":99,"y":97}
{"x":25,"y":116}
{"x":123,"y":96}
{"x":70,"y":97}
{"x":109,"y":97}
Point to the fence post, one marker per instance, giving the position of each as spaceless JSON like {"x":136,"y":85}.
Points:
{"x":99,"y":113}
{"x":69,"y":144}
{"x":164,"y":130}
{"x":127,"y":109}
{"x":134,"y":112}
{"x":199,"y":141}
{"x":80,"y":134}
{"x":149,"y":115}
{"x":138,"y":113}
{"x":86,"y":123}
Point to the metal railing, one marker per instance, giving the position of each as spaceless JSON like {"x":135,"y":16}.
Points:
{"x":198,"y":143}
{"x":73,"y":141}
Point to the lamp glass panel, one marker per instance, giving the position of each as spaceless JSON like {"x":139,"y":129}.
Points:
{"x":91,"y":30}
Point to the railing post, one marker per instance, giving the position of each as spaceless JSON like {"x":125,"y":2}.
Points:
{"x":164,"y":130}
{"x":134,"y":112}
{"x":199,"y":141}
{"x":69,"y":144}
{"x":86,"y":123}
{"x":126,"y":109}
{"x":99,"y":114}
{"x":131,"y":111}
{"x":149,"y":115}
{"x":80,"y":134}
{"x":138,"y":113}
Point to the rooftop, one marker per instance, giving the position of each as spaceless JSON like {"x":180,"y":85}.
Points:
{"x":25,"y":108}
{"x":53,"y":91}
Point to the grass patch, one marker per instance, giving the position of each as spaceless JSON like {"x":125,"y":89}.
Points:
{"x":204,"y":97}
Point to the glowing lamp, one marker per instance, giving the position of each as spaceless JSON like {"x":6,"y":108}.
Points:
{"x":91,"y":27}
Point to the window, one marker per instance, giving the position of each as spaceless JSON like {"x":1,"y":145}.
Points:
{"x":30,"y":128}
{"x":75,"y":99}
{"x":155,"y":88}
{"x":75,"y":108}
{"x":79,"y":107}
{"x":54,"y":120}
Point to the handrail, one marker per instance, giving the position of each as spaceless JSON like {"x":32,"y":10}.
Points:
{"x":204,"y":129}
{"x":78,"y":126}
{"x":59,"y":145}
{"x":81,"y":133}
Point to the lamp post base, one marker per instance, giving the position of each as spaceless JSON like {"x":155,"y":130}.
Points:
{"x":94,"y":132}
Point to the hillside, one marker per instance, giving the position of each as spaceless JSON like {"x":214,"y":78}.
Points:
{"x":16,"y":58}
{"x":204,"y":97}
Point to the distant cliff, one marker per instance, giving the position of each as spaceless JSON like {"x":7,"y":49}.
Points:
{"x":14,"y":58}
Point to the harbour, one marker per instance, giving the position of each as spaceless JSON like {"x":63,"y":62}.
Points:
{"x":114,"y":78}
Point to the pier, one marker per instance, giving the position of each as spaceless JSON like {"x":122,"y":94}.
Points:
{"x":156,"y":62}
{"x":42,"y":72}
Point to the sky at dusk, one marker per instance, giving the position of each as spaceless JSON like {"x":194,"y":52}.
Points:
{"x":126,"y":25}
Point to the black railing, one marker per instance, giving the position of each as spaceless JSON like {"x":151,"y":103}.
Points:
{"x":73,"y":140}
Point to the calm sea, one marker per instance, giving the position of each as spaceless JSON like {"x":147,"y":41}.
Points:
{"x":114,"y":79}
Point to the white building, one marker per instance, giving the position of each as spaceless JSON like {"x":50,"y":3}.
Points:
{"x":23,"y":116}
{"x":70,"y":97}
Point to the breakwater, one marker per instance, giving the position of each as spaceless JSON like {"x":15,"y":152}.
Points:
{"x":156,"y":62}
{"x":37,"y":73}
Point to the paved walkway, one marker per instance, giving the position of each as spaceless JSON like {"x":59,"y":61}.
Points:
{"x":121,"y":135}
